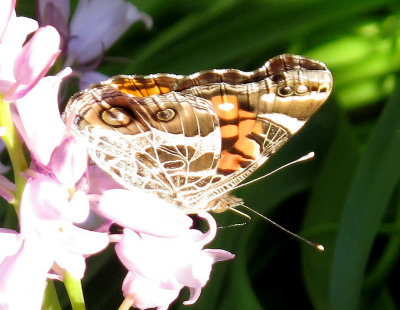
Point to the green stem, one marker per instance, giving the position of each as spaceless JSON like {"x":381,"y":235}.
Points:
{"x":14,"y":148}
{"x":74,"y":290}
{"x":126,"y":304}
{"x":51,"y":301}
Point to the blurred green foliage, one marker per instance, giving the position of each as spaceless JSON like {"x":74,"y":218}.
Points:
{"x":347,"y":198}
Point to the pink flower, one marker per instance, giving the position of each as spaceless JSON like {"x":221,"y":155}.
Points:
{"x":69,"y":161}
{"x":160,"y":267}
{"x":143,"y":212}
{"x":6,"y":10}
{"x":22,"y":66}
{"x":37,"y":56}
{"x":52,"y":204}
{"x":14,"y":34}
{"x":55,"y":13}
{"x":10,"y":243}
{"x":23,"y":268}
{"x":89,"y":77}
{"x":97,"y":24}
{"x":49,"y":212}
{"x":36,"y":113}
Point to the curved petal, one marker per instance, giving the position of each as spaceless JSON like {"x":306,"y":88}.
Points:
{"x":69,"y":161}
{"x":13,"y":39}
{"x":37,"y":56}
{"x":74,"y":245}
{"x":55,"y":13}
{"x":39,"y":112}
{"x":146,"y":294}
{"x":143,"y":212}
{"x":97,"y":24}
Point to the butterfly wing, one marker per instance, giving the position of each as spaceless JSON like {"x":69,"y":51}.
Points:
{"x":164,"y":143}
{"x":258,"y":112}
{"x":192,"y":139}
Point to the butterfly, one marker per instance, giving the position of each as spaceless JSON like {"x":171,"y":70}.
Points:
{"x":192,"y":139}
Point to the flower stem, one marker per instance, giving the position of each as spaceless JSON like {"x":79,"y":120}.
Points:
{"x":14,"y":148}
{"x":126,"y":304}
{"x":51,"y":301}
{"x":74,"y":290}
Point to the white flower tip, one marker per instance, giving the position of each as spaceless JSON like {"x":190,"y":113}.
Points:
{"x":64,"y":73}
{"x":51,"y":35}
{"x":194,"y":296}
{"x":148,"y":21}
{"x":133,"y":14}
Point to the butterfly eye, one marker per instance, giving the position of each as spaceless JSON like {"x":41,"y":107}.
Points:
{"x":115,"y":117}
{"x":165,"y":115}
{"x":285,"y":91}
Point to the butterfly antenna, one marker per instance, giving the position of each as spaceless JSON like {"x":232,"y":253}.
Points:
{"x":233,"y":209}
{"x":316,"y":245}
{"x":303,"y":158}
{"x":248,"y":217}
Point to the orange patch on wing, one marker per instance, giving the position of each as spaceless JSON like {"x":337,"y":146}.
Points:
{"x":226,"y":106}
{"x":250,"y":126}
{"x":139,"y":89}
{"x":248,"y":147}
{"x":247,"y":114}
{"x":129,"y":91}
{"x":230,"y":161}
{"x":229,"y":131}
{"x":245,"y":127}
{"x":164,"y":89}
{"x":258,"y":128}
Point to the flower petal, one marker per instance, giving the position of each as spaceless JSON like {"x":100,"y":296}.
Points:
{"x":14,"y":282}
{"x":40,"y":122}
{"x":146,"y":294}
{"x":143,"y":212}
{"x":10,"y":242}
{"x":74,"y":245}
{"x":97,"y":24}
{"x":13,"y":39}
{"x":6,"y":9}
{"x":168,"y":264}
{"x":42,"y":200}
{"x":90,"y":77}
{"x":55,"y":13}
{"x":69,"y":161}
{"x":37,"y":56}
{"x":78,"y":210}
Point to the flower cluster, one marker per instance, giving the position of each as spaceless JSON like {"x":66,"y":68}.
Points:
{"x":56,"y":196}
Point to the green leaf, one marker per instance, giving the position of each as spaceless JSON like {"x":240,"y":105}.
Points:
{"x":323,"y":212}
{"x":373,"y":184}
